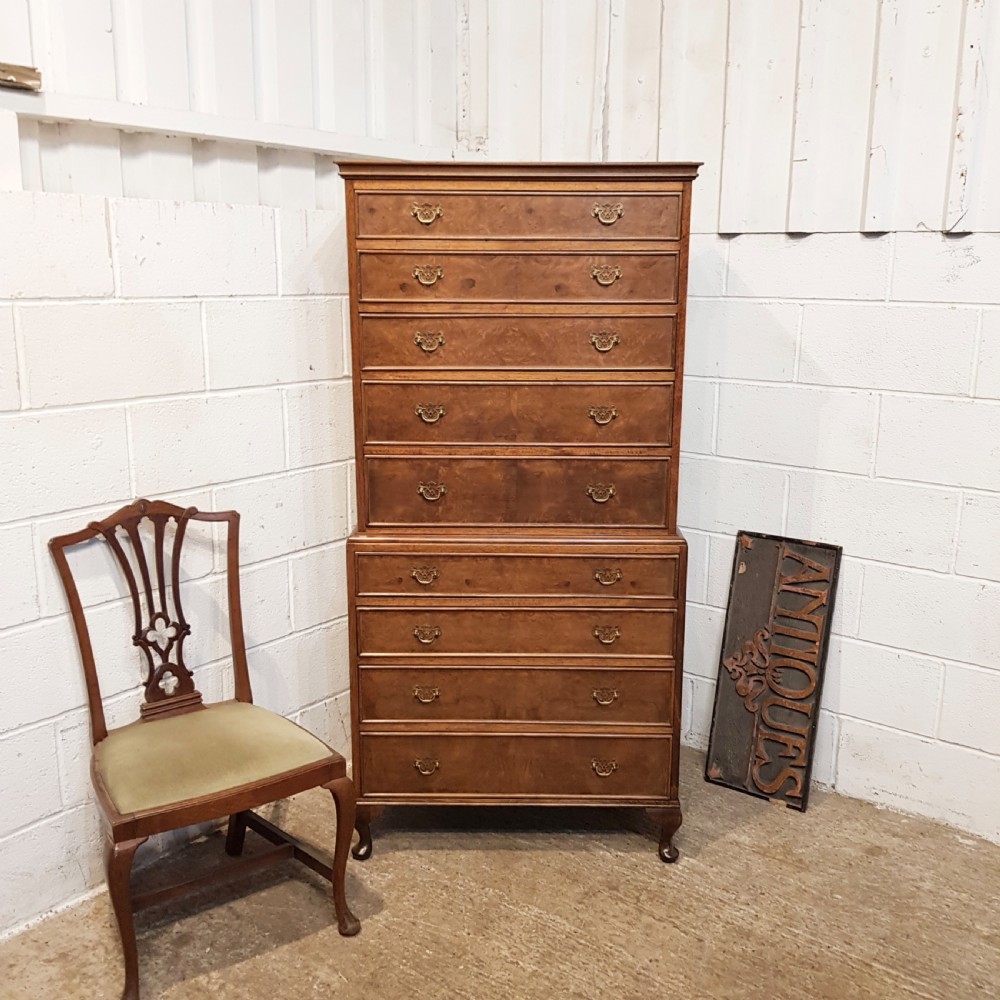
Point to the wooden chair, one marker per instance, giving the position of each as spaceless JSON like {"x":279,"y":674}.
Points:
{"x":185,"y":762}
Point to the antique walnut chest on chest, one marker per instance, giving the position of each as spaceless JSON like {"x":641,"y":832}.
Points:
{"x":517,"y":580}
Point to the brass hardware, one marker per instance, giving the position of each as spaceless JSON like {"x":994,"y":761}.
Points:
{"x":606,"y":634}
{"x":429,"y":342}
{"x":608,"y":214}
{"x":605,"y":696}
{"x":602,"y":415}
{"x":432,"y":491}
{"x":603,"y":768}
{"x":428,"y":633}
{"x":607,"y":577}
{"x":428,"y":274}
{"x":428,"y":765}
{"x":601,"y":494}
{"x":424,"y":575}
{"x":604,"y":341}
{"x":603,"y":274}
{"x":429,"y":413}
{"x":426,"y":695}
{"x":426,"y":213}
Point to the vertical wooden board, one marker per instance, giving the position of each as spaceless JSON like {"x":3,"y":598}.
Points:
{"x":329,"y":186}
{"x":633,"y":81}
{"x":399,"y":87}
{"x":15,"y":33}
{"x":232,"y":56}
{"x":130,"y":56}
{"x":164,"y":47}
{"x":973,"y":195}
{"x":435,"y":71}
{"x":348,"y":58}
{"x":573,"y":64}
{"x":322,"y":55}
{"x":265,"y":60}
{"x":692,"y":97}
{"x":916,"y":79}
{"x":515,"y":80}
{"x":286,"y":178}
{"x":90,"y":159}
{"x":31,"y":155}
{"x":760,"y":98}
{"x":225,"y":172}
{"x":473,"y":73}
{"x":832,"y":110}
{"x":293,"y":53}
{"x":157,"y":166}
{"x":374,"y":36}
{"x":10,"y":153}
{"x":83,"y":56}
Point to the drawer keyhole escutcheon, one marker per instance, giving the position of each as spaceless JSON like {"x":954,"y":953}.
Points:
{"x":601,"y":493}
{"x":432,"y":491}
{"x":603,"y":274}
{"x":428,"y":633}
{"x":424,"y":575}
{"x":602,"y":415}
{"x":607,"y":577}
{"x":607,"y":634}
{"x":428,"y":274}
{"x":428,"y":342}
{"x":605,"y":696}
{"x":428,"y":765}
{"x":430,"y":413}
{"x":426,"y":213}
{"x":425,"y":695}
{"x":603,"y":768}
{"x":608,"y":214}
{"x":604,"y":340}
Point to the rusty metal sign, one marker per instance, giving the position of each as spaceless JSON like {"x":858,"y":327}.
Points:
{"x":771,"y":671}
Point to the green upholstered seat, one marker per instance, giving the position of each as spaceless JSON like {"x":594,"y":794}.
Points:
{"x":147,"y":765}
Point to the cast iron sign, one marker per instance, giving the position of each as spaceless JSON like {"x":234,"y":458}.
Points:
{"x":771,"y":674}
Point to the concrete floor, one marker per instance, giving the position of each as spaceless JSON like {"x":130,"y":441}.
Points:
{"x":842,"y":902}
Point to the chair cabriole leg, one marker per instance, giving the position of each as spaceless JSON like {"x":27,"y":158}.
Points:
{"x":344,"y":800}
{"x":118,"y":864}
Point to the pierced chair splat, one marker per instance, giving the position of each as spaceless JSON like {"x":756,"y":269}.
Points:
{"x":184,"y":761}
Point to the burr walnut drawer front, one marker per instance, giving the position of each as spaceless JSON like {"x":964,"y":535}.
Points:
{"x":425,"y":276}
{"x":474,"y":764}
{"x":612,"y":343}
{"x":418,"y":490}
{"x":513,"y":214}
{"x":522,"y":575}
{"x":436,"y":631}
{"x":611,"y":697}
{"x":633,"y":413}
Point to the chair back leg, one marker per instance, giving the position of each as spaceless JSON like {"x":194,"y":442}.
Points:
{"x":344,"y":800}
{"x":118,"y":864}
{"x":235,"y":834}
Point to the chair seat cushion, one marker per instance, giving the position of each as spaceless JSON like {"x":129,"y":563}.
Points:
{"x":156,"y":763}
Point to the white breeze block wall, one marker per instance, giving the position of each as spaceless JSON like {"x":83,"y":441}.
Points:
{"x":846,"y":388}
{"x":181,"y":350}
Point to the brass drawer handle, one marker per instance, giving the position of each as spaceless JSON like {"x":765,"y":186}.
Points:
{"x":428,"y":274}
{"x":605,"y":696}
{"x":600,"y":493}
{"x":428,"y":765}
{"x":608,"y":214}
{"x":428,"y":342}
{"x":604,"y":768}
{"x":602,"y":415}
{"x":605,"y":274}
{"x":429,"y":413}
{"x":604,"y":340}
{"x":424,"y":575}
{"x":426,"y":695}
{"x":607,"y":577}
{"x":607,"y":634}
{"x":428,"y":633}
{"x":432,"y":491}
{"x":426,"y":213}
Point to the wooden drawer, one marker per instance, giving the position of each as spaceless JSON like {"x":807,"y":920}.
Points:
{"x":611,"y":697}
{"x":431,"y":763}
{"x":629,"y":413}
{"x":519,"y":214}
{"x":432,"y":574}
{"x":425,"y":276}
{"x":611,"y":343}
{"x":589,"y":632}
{"x":416,"y":490}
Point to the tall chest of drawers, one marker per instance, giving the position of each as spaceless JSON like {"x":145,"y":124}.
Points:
{"x":516,"y":582}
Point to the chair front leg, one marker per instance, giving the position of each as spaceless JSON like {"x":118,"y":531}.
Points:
{"x":118,"y":864}
{"x":344,"y":799}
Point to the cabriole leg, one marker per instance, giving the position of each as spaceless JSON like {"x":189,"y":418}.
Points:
{"x":118,"y":863}
{"x":669,"y":820}
{"x":344,"y":799}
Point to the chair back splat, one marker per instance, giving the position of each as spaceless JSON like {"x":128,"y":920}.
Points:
{"x":160,"y":627}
